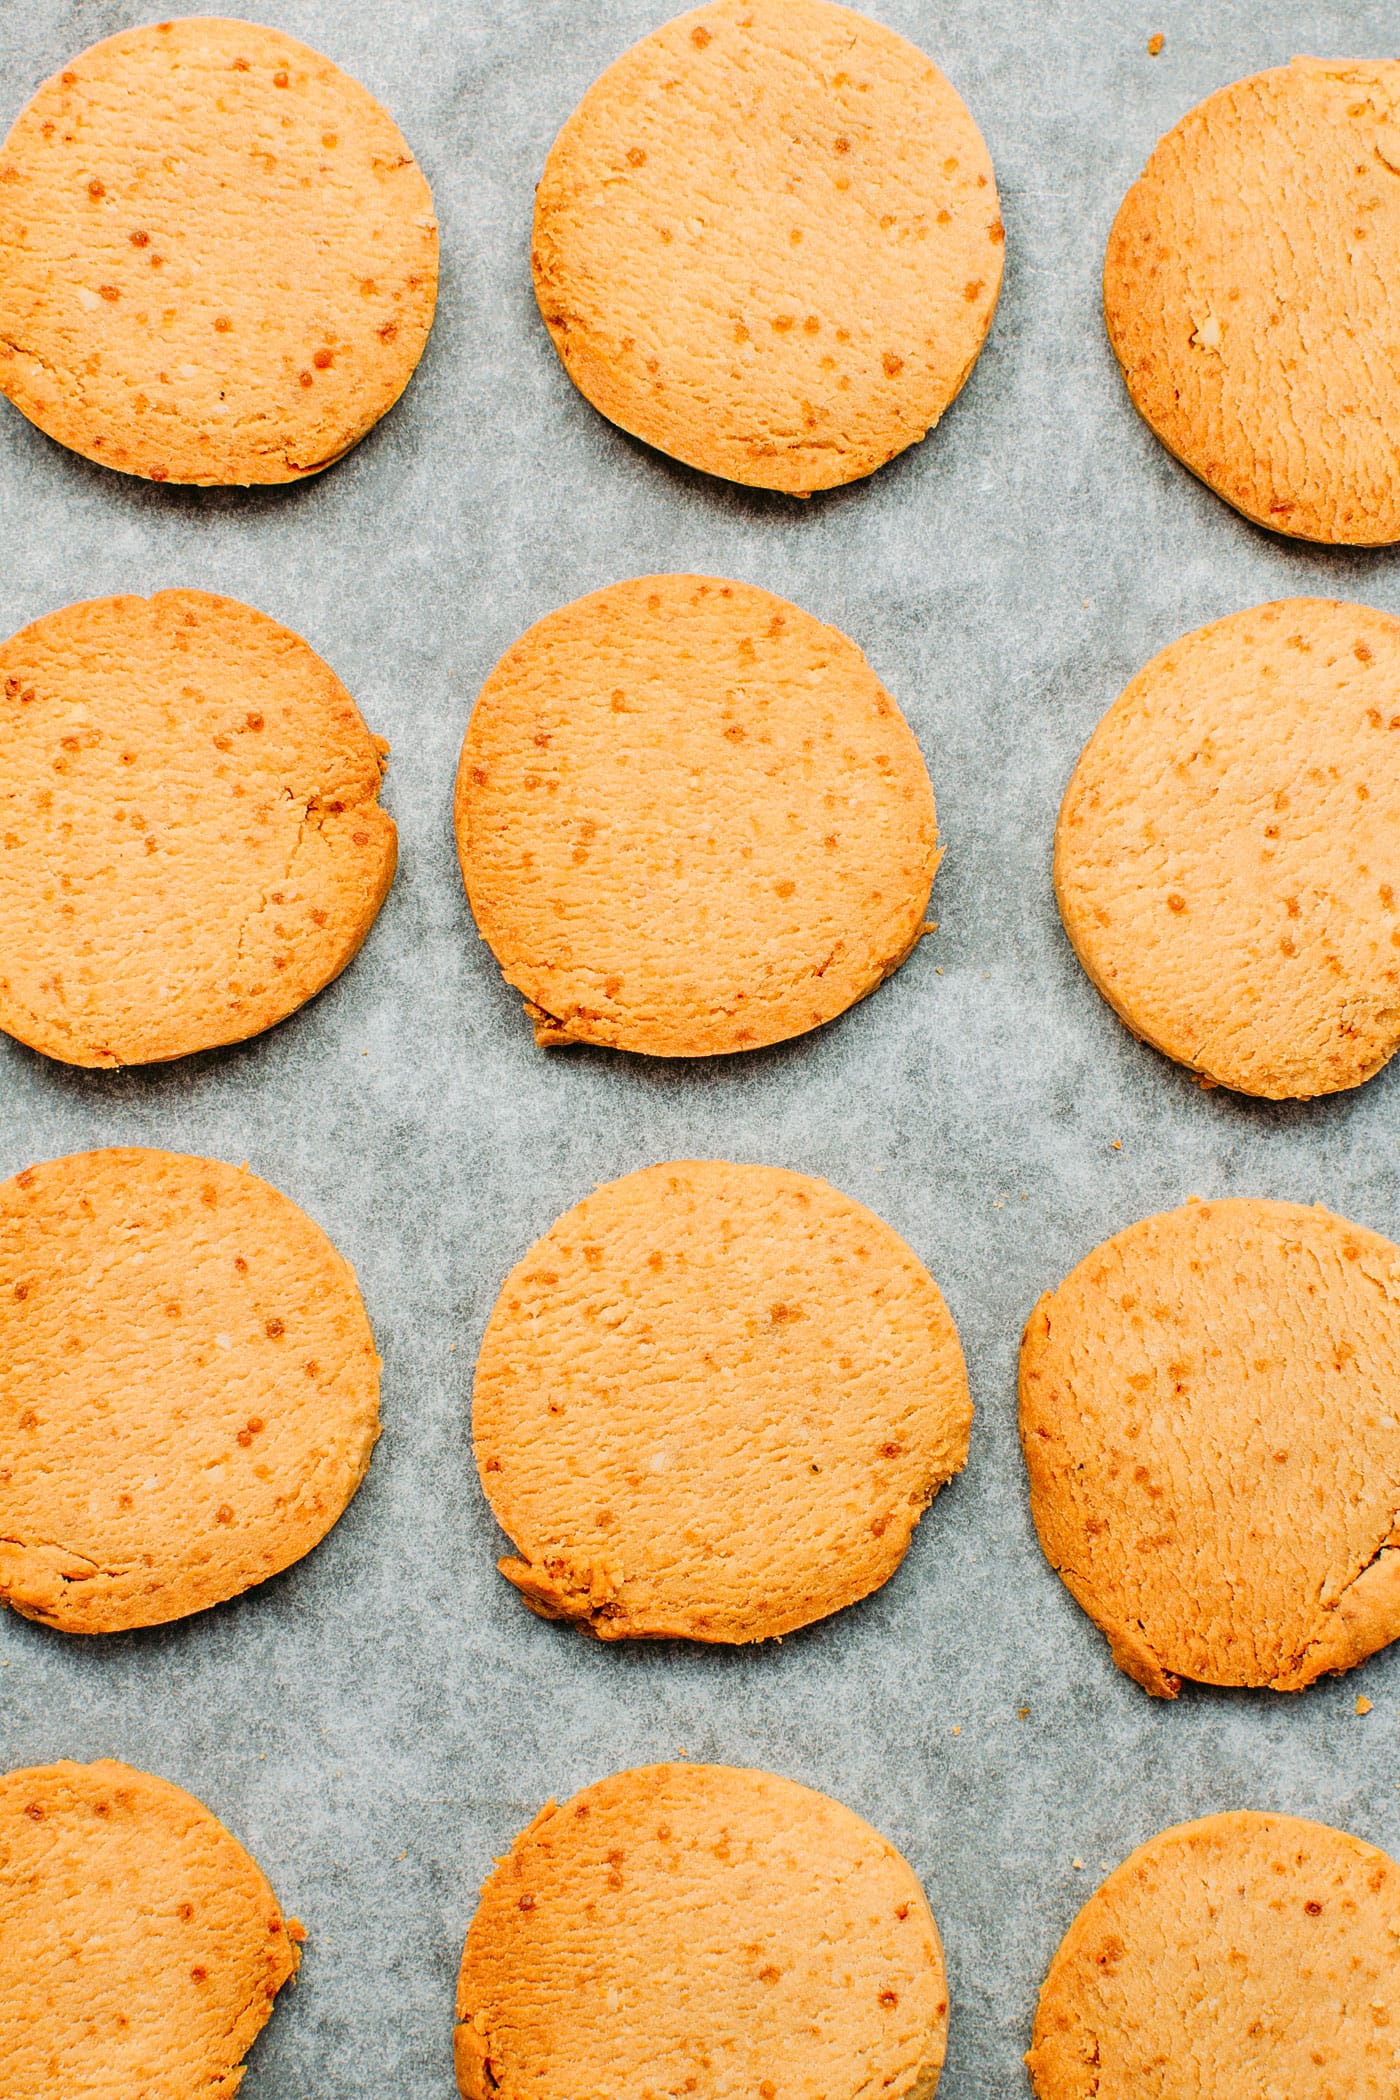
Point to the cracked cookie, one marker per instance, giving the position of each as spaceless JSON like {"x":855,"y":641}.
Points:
{"x":191,"y":1390}
{"x":141,"y":1948}
{"x":190,"y":844}
{"x":691,"y":820}
{"x":1208,"y":1414}
{"x":218,"y":258}
{"x":768,"y":242}
{"x":672,"y":1919}
{"x":1225,"y":857}
{"x":1252,"y":286}
{"x":1238,"y":1958}
{"x":713,"y":1402}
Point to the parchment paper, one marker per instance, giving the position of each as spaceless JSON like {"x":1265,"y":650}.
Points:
{"x":378,"y":1722}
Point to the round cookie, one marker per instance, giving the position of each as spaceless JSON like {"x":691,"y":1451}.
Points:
{"x":691,"y":820}
{"x":1253,"y":272}
{"x":675,"y":1919}
{"x":190,"y":845}
{"x":1225,"y":855}
{"x":1243,"y":1956}
{"x":140,"y":1947}
{"x":713,"y":1402}
{"x":768,"y":242}
{"x":190,"y":1387}
{"x":219,"y":256}
{"x":1207,"y":1415}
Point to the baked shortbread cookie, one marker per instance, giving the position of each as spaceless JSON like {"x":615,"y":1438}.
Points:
{"x":768,"y":242}
{"x":699,"y":1929}
{"x":190,"y":844}
{"x":691,"y":820}
{"x":189,"y":1390}
{"x":218,"y":257}
{"x":714,"y":1401}
{"x":1236,"y":1958}
{"x":1226,"y":860}
{"x":1209,"y":1422}
{"x":1253,"y":273}
{"x":140,"y":1947}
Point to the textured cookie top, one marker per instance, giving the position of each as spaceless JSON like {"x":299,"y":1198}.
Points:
{"x":768,"y":242}
{"x":218,"y":258}
{"x":1225,"y":858}
{"x":691,"y":819}
{"x":190,"y":844}
{"x":1208,"y":1412}
{"x":714,"y":1401}
{"x":1238,"y":1958}
{"x":703,"y":1930}
{"x":190,"y":1391}
{"x":140,"y":1947}
{"x":1252,"y":293}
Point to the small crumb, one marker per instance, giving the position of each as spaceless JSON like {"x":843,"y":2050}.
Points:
{"x":1025,"y":1195}
{"x":957,"y":1730}
{"x":1023,"y":1713}
{"x":1363,"y":1705}
{"x":1078,"y":1865}
{"x":1103,"y":1866}
{"x":452,"y":1348}
{"x":364,"y":1053}
{"x":399,"y":1856}
{"x":938,"y":969}
{"x":1118,"y":1144}
{"x":1154,"y":45}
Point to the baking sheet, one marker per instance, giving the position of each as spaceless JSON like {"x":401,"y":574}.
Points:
{"x":376,"y":1723}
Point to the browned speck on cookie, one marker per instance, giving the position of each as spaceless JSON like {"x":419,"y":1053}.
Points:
{"x":720,"y":1918}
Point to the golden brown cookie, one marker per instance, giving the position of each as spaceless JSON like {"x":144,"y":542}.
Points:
{"x":1209,"y":1421}
{"x":218,"y":258}
{"x":691,"y":819}
{"x":140,"y":1947}
{"x":768,"y":242}
{"x":714,"y":1401}
{"x":189,"y":1391}
{"x":699,"y":1929}
{"x":1251,"y":284}
{"x":1225,"y":856}
{"x":1243,"y":1957}
{"x":190,"y":845}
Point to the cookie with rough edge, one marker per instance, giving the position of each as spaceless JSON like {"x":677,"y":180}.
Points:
{"x":1209,"y":1424}
{"x":187,"y":1944}
{"x":1225,"y":855}
{"x":190,"y":841}
{"x":1238,"y":1957}
{"x":218,"y":257}
{"x":700,"y":1929}
{"x":768,"y":242}
{"x":1252,"y":272}
{"x":713,"y":1402}
{"x":189,"y":1390}
{"x":691,"y":820}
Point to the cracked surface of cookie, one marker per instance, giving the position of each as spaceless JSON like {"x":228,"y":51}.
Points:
{"x":191,"y":1390}
{"x":768,"y":242}
{"x":691,"y":820}
{"x":1225,"y":856}
{"x":1252,"y":276}
{"x":701,"y":1929}
{"x":1242,"y":1956}
{"x":1208,"y":1414}
{"x":186,"y":1946}
{"x":219,"y":256}
{"x":713,"y":1402}
{"x":190,"y":844}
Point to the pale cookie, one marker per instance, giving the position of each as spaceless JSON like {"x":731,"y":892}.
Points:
{"x":190,"y":1387}
{"x":140,"y":1947}
{"x":218,"y":258}
{"x":768,"y":242}
{"x":1244,"y":1957}
{"x":1252,"y":288}
{"x":1208,"y":1413}
{"x":190,"y":845}
{"x":691,"y":819}
{"x":701,"y":1930}
{"x":714,"y":1401}
{"x":1225,"y":859}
